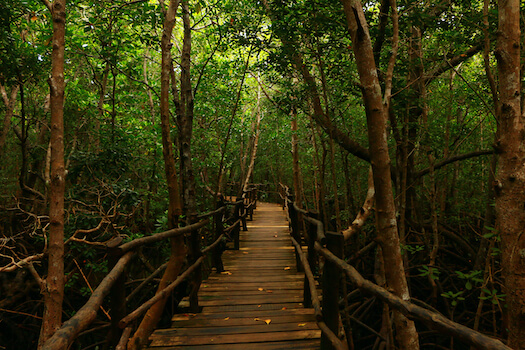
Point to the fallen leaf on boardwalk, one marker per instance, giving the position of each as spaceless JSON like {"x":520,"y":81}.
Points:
{"x":256,"y":319}
{"x":260,"y":289}
{"x":245,"y":252}
{"x":268,"y":321}
{"x":283,"y":308}
{"x":226,"y":318}
{"x":301,"y":325}
{"x":226,"y":273}
{"x":258,"y":305}
{"x":287,"y":268}
{"x":269,"y":291}
{"x":275,"y":236}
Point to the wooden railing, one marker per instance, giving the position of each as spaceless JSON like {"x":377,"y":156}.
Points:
{"x":330,"y":247}
{"x":120,"y":256}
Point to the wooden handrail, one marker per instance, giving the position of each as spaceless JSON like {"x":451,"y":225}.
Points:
{"x":72,"y":327}
{"x":431,"y":318}
{"x":134,"y":244}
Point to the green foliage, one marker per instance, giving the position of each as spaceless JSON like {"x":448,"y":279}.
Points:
{"x":455,"y":297}
{"x":472,"y":279}
{"x":430,"y":271}
{"x":493,"y":295}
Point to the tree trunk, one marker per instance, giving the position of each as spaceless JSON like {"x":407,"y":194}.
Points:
{"x":185,"y":124}
{"x":510,"y":180}
{"x":9,"y":102}
{"x":407,"y":336}
{"x":298,"y":191}
{"x":54,"y":286}
{"x":249,"y":172}
{"x":178,"y":250}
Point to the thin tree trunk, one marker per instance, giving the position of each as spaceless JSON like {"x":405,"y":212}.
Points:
{"x":249,"y":172}
{"x":234,"y":111}
{"x":407,"y":336}
{"x":100,"y":106}
{"x":298,"y":191}
{"x":510,"y":180}
{"x":9,"y":102}
{"x":334,"y":186}
{"x":178,"y":250}
{"x":54,"y":285}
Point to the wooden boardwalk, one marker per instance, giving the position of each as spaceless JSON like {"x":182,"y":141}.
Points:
{"x":256,"y":303}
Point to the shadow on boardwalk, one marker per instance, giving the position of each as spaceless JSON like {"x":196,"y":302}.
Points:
{"x":256,"y":303}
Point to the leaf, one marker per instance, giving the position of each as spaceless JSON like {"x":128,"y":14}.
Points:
{"x":268,"y":321}
{"x":301,"y":325}
{"x":275,"y":236}
{"x":269,"y":291}
{"x":260,"y":289}
{"x":226,"y":318}
{"x":258,"y":305}
{"x":287,"y":268}
{"x":256,"y":319}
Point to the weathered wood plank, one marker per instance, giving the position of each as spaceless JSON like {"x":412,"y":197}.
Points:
{"x":242,"y":321}
{"x":234,"y":338}
{"x":286,"y":345}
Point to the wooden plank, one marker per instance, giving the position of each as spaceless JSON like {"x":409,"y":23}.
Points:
{"x":242,"y":321}
{"x":251,"y":300}
{"x":258,"y":326}
{"x":287,"y":345}
{"x":235,"y":338}
{"x":251,"y":307}
{"x":257,"y":313}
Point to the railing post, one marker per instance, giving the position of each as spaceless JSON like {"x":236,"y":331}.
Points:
{"x":242,"y":214}
{"x":294,"y":224}
{"x":236,"y":230}
{"x":219,"y":229}
{"x":195,"y":253}
{"x":331,"y":283}
{"x":311,"y":237}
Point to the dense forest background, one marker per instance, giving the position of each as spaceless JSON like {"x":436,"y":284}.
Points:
{"x":273,"y":93}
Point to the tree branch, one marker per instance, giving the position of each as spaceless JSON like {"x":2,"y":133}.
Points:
{"x":454,"y":159}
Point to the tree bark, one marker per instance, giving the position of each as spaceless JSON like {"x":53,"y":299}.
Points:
{"x":296,"y":169}
{"x":251,"y":166}
{"x":178,"y":250}
{"x":510,"y":180}
{"x":407,"y":336}
{"x":54,"y":286}
{"x":9,"y":102}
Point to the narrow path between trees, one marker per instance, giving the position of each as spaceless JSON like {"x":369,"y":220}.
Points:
{"x":256,"y":303}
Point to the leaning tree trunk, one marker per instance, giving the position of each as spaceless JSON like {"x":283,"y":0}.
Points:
{"x":510,"y":180}
{"x":178,"y":250}
{"x":251,"y":166}
{"x":388,"y":238}
{"x":54,"y":285}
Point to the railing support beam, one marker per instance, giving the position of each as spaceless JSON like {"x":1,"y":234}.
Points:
{"x":331,"y":284}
